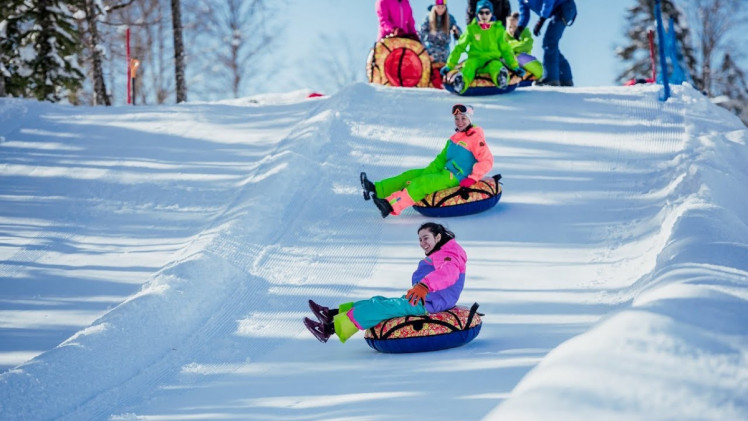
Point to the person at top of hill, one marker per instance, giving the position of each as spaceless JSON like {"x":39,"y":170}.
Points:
{"x":436,"y":29}
{"x":561,"y":13}
{"x":484,"y":42}
{"x":436,"y":286}
{"x":463,"y":161}
{"x":501,"y":9}
{"x":396,"y":19}
{"x":520,"y":42}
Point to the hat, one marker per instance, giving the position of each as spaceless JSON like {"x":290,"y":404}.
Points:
{"x":466,"y":110}
{"x":440,"y":2}
{"x":484,"y":4}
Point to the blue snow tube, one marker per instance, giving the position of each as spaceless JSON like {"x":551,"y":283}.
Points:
{"x":433,"y":332}
{"x":460,"y":201}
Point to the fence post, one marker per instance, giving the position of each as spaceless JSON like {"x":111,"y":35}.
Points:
{"x":661,"y":44}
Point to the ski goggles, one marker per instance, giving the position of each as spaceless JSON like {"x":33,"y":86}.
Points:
{"x":459,"y":109}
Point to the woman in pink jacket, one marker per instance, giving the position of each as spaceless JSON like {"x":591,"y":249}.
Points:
{"x":396,"y":19}
{"x":436,"y":286}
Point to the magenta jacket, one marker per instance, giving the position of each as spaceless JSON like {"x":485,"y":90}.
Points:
{"x":395,"y":14}
{"x":444,"y":273}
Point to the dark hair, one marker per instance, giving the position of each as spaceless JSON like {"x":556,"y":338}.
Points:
{"x":437,"y":229}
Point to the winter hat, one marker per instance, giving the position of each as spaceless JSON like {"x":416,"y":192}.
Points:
{"x":440,"y":2}
{"x":466,"y":110}
{"x":484,"y":4}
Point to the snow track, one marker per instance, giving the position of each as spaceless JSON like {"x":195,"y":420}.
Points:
{"x":233,"y":216}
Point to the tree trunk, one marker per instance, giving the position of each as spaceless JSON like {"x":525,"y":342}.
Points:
{"x":176,"y":19}
{"x":100,"y":95}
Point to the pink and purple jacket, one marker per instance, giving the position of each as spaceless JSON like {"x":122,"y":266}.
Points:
{"x":395,"y":14}
{"x":444,"y":273}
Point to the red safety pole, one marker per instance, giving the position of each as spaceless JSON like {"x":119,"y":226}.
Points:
{"x":650,"y":35}
{"x":129,"y":78}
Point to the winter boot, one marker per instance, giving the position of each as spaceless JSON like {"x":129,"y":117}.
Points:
{"x":459,"y":83}
{"x":322,"y":313}
{"x":344,"y":327}
{"x":321,"y":331}
{"x":383,"y":205}
{"x":502,"y":79}
{"x":399,"y":201}
{"x":368,"y":186}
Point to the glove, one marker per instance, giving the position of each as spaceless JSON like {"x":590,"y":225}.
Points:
{"x":467,"y":182}
{"x":538,"y":27}
{"x":417,"y":294}
{"x":444,"y":70}
{"x":518,"y":32}
{"x":519,"y":72}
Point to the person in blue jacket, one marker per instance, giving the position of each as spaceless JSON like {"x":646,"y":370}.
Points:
{"x":560,"y":13}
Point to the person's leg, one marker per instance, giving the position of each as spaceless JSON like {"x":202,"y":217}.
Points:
{"x":493,"y":68}
{"x":369,"y":313}
{"x":469,"y":69}
{"x":418,"y":188}
{"x":551,"y":54}
{"x":564,"y":71}
{"x":387,"y":186}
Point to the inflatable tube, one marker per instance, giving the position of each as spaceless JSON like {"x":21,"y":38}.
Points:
{"x":398,"y":61}
{"x":458,"y":201}
{"x":433,"y":332}
{"x":480,"y":86}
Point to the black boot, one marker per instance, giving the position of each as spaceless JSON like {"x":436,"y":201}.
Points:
{"x":383,"y":205}
{"x":321,"y":331}
{"x":322,"y":313}
{"x":368,"y":186}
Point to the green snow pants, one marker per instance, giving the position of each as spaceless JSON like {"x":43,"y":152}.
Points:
{"x":480,"y":65}
{"x":419,"y":183}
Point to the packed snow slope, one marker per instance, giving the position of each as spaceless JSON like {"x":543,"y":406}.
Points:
{"x":156,"y":261}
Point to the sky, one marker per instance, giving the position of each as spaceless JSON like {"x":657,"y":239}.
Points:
{"x":589,"y":44}
{"x":156,"y":261}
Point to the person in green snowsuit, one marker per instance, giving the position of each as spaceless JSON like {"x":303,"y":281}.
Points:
{"x":485,"y":45}
{"x":521,"y":43}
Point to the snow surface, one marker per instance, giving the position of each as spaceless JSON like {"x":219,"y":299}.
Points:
{"x":155,"y":261}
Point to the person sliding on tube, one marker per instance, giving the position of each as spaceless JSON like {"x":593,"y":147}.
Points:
{"x":463,"y":161}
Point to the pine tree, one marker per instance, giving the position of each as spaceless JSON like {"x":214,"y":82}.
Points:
{"x":41,"y":43}
{"x":641,"y":18}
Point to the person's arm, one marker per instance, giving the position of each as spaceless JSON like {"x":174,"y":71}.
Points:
{"x":454,"y":27}
{"x":460,"y":47}
{"x":506,"y":50}
{"x":446,"y":271}
{"x":483,"y":156}
{"x":524,"y":15}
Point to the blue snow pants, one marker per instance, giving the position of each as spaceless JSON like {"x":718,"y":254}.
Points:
{"x":556,"y":66}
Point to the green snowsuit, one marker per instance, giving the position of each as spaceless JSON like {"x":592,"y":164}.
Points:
{"x":485,"y":47}
{"x":521,"y":45}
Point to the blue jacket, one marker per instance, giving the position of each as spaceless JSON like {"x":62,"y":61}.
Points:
{"x":543,"y":8}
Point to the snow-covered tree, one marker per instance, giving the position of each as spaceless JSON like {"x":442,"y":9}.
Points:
{"x":635,"y":54}
{"x":40,"y":48}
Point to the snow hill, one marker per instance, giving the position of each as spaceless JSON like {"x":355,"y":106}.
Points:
{"x":155,"y":261}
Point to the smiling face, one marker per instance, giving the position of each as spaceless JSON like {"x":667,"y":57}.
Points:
{"x":461,"y":121}
{"x":427,"y":240}
{"x":440,"y":9}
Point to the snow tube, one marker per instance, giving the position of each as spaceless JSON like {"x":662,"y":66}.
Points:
{"x":459,"y":201}
{"x":433,"y":332}
{"x":396,"y":61}
{"x":482,"y":85}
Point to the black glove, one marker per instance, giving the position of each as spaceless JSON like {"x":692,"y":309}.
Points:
{"x":538,"y":27}
{"x":518,"y":32}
